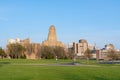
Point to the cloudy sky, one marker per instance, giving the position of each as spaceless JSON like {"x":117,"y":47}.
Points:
{"x":97,"y":21}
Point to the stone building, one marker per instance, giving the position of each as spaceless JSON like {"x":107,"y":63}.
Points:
{"x":103,"y":52}
{"x":52,"y":38}
{"x":109,"y":47}
{"x":31,"y":49}
{"x":79,"y":48}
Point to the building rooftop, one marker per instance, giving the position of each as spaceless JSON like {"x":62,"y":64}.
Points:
{"x":82,"y":41}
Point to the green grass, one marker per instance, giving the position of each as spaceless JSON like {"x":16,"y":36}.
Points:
{"x":32,"y":61}
{"x":43,"y":61}
{"x":36,"y":72}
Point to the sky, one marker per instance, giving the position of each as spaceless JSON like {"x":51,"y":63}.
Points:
{"x":97,"y":21}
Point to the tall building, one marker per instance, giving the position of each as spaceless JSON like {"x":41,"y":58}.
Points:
{"x":80,"y":47}
{"x":52,"y":38}
{"x":32,"y":50}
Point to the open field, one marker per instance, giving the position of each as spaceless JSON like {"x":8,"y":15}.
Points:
{"x":18,"y":70}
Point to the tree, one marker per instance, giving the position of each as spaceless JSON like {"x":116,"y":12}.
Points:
{"x":49,"y":52}
{"x":70,"y":53}
{"x":2,"y":52}
{"x":112,"y":55}
{"x":16,"y":50}
{"x":88,"y":54}
{"x":60,"y":52}
{"x":20,"y":51}
{"x":118,"y":52}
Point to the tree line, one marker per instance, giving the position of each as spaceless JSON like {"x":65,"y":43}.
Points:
{"x":17,"y":51}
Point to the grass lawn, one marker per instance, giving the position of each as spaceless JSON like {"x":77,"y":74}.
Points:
{"x":11,"y":71}
{"x":30,"y":61}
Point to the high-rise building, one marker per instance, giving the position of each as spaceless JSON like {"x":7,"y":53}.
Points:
{"x":52,"y":38}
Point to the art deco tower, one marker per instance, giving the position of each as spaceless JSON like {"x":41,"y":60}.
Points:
{"x":52,"y":38}
{"x":52,"y":34}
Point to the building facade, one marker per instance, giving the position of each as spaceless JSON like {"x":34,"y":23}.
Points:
{"x":103,"y":53}
{"x":32,"y":50}
{"x":52,"y":39}
{"x":79,"y":48}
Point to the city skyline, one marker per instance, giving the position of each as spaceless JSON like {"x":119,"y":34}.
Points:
{"x":96,"y":21}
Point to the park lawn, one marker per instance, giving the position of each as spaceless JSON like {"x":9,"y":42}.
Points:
{"x":32,"y":61}
{"x":42,"y":61}
{"x":18,"y":70}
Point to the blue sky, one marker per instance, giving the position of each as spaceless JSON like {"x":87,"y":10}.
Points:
{"x":97,"y":21}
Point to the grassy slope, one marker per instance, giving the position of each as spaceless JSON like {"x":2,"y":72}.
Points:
{"x":30,"y":72}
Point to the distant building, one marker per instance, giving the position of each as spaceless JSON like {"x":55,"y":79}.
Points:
{"x":92,"y":46}
{"x":52,"y":38}
{"x":79,"y":48}
{"x":32,"y":49}
{"x":103,"y":52}
{"x":13,"y":41}
{"x":109,"y":47}
{"x":70,"y":45}
{"x":93,"y":49}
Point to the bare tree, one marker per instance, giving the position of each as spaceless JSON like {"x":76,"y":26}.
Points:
{"x":70,"y":53}
{"x":16,"y":50}
{"x":112,"y":55}
{"x":60,"y":52}
{"x":88,"y":54}
{"x":47,"y":52}
{"x":52,"y":52}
